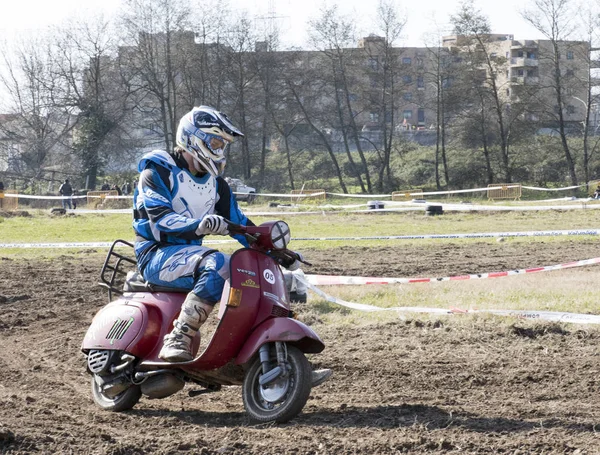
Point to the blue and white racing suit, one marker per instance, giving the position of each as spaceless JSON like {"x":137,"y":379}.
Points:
{"x":169,"y":203}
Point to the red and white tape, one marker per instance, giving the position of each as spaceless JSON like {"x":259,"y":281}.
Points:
{"x":552,"y":316}
{"x":329,"y":280}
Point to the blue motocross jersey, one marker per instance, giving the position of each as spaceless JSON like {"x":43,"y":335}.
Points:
{"x":169,"y":203}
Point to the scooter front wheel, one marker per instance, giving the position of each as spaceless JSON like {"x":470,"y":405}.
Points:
{"x":125,"y":400}
{"x":283,"y":398}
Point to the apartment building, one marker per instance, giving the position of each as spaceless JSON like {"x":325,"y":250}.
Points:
{"x":526,"y":72}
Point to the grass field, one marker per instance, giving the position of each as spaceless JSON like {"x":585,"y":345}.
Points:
{"x":43,"y":227}
{"x":574,"y":291}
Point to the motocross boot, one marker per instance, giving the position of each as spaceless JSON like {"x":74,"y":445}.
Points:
{"x":177,"y":345}
{"x":318,"y":377}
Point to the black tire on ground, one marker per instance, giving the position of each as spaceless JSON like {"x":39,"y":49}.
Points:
{"x":298,"y":298}
{"x":122,"y":402}
{"x":434,"y":210}
{"x":290,"y":404}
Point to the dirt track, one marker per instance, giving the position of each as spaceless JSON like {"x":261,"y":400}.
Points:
{"x":401,"y":387}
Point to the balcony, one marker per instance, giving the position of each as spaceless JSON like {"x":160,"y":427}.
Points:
{"x":526,"y":44}
{"x":525,"y":80}
{"x":522,"y":61}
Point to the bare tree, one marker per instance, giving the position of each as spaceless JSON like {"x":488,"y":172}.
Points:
{"x":486,"y":66}
{"x":162,"y":43}
{"x":241,"y":92}
{"x":84,"y":63}
{"x":37,"y":124}
{"x":392,"y":77}
{"x":333,"y":35}
{"x":554,"y":19}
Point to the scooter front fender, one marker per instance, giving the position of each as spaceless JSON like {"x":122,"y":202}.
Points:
{"x":287,"y":330}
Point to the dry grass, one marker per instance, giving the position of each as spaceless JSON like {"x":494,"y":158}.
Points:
{"x":571,"y":290}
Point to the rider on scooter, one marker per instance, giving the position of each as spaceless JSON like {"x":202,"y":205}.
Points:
{"x":181,"y":197}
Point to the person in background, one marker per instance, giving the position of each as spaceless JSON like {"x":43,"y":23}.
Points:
{"x":181,"y":197}
{"x":66,"y":191}
{"x":597,"y":192}
{"x":105,"y":187}
{"x":116,"y":188}
{"x":126,"y":188}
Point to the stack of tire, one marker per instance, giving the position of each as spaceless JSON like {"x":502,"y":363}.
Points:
{"x":433,"y":210}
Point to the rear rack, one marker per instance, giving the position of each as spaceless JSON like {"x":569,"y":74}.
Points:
{"x":115,"y":268}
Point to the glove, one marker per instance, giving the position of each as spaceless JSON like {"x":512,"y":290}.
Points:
{"x":212,"y":224}
{"x":293,"y":264}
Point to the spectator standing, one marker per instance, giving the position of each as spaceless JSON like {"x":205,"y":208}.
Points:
{"x":116,"y":188}
{"x":66,"y":191}
{"x":126,"y":188}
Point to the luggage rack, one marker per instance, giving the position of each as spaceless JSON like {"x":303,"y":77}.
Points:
{"x":115,"y":268}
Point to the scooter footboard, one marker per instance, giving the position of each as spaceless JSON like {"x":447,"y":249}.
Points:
{"x":281,"y":329}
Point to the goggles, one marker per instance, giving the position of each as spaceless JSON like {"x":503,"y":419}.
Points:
{"x":216,"y":145}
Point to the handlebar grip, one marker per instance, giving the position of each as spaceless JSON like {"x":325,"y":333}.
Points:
{"x":235,"y":228}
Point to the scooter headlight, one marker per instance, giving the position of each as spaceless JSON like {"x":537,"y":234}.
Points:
{"x":280,"y":235}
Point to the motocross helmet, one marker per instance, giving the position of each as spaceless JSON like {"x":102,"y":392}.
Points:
{"x":205,"y":133}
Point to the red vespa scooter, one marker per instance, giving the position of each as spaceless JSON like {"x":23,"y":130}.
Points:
{"x":257,"y":343}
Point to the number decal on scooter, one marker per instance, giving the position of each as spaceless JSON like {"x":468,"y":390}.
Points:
{"x":269,"y":276}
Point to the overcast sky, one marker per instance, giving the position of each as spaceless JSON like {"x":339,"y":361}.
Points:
{"x":30,"y":15}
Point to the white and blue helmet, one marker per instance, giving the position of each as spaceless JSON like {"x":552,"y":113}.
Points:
{"x":205,"y":134}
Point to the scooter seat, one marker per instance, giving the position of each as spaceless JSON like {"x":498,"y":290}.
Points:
{"x":136,"y":283}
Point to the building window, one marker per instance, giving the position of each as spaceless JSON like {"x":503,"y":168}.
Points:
{"x":420,"y":82}
{"x":407,"y":114}
{"x":570,"y":73}
{"x":421,"y":116}
{"x":374,"y":116}
{"x":407,"y":96}
{"x":406,"y":60}
{"x":507,"y":92}
{"x":570,"y":55}
{"x":520,"y":54}
{"x":373,"y":63}
{"x":407,"y":79}
{"x":520,"y":73}
{"x":530,"y":73}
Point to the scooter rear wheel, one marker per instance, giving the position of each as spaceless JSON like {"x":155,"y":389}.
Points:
{"x":122,"y":402}
{"x":283,"y":398}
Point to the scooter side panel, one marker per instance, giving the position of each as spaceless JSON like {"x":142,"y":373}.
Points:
{"x":134,"y":323}
{"x":281,"y":329}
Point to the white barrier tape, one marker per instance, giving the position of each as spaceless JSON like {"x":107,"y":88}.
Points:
{"x":330,"y":280}
{"x":535,"y":188}
{"x":388,"y":237}
{"x":463,"y":236}
{"x":553,"y":316}
{"x":87,"y":244}
{"x":29,"y":196}
{"x":371,"y":196}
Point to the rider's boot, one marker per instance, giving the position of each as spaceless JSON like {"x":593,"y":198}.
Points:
{"x":318,"y":377}
{"x":177,"y":346}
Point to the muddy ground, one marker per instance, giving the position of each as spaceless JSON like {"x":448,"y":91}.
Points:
{"x":412,"y":386}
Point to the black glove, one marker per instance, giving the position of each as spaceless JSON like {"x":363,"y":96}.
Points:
{"x":292,"y":263}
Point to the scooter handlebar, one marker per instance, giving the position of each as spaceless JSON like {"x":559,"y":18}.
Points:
{"x":252,"y":234}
